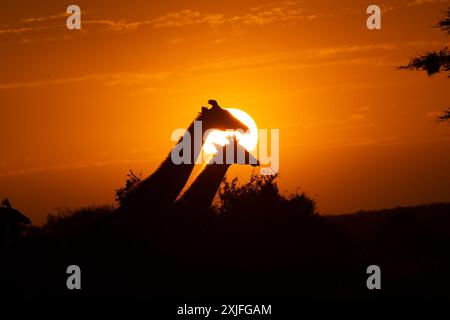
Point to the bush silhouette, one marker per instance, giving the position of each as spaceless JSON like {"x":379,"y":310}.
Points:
{"x":261,"y":193}
{"x":131,"y":182}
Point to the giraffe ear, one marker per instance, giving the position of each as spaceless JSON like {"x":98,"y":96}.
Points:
{"x":204,"y":109}
{"x":6,"y":203}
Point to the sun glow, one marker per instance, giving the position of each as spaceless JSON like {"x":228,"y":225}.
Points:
{"x":248,"y":139}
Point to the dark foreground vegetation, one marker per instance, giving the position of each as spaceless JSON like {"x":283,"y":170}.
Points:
{"x":257,"y":243}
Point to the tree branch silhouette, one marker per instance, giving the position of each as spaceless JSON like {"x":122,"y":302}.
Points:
{"x":434,"y":61}
{"x":444,"y":24}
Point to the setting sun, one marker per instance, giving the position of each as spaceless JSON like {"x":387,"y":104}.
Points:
{"x":249,"y":139}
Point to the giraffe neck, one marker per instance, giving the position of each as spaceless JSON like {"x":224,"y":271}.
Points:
{"x":161,"y":189}
{"x":200,"y":194}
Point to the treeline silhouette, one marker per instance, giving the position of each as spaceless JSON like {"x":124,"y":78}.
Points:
{"x":255,"y":242}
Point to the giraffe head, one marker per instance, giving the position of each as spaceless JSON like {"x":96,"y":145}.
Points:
{"x":11,"y":215}
{"x":220,"y":119}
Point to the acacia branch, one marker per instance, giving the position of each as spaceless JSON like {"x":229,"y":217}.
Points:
{"x":432,"y":62}
{"x":444,"y":24}
{"x":445,"y":116}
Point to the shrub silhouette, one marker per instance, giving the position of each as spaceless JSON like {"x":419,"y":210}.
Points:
{"x":259,"y":193}
{"x":131,"y":182}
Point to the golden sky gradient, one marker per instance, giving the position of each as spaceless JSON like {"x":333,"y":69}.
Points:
{"x":80,"y":108}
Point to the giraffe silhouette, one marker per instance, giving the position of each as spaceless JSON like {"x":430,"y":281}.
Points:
{"x":10,"y":218}
{"x":200,"y":194}
{"x":160,"y":190}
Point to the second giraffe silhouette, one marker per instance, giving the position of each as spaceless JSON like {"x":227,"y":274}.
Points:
{"x":200,"y":195}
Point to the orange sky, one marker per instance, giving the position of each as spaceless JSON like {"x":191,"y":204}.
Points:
{"x":79,"y":108}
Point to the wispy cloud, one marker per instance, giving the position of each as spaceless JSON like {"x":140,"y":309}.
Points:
{"x":368,"y":141}
{"x":18,"y":30}
{"x":119,"y":78}
{"x":34,"y":24}
{"x":277,"y":12}
{"x":421,"y":2}
{"x":176,"y":40}
{"x":409,"y":3}
{"x":38,"y":83}
{"x":359,"y":119}
{"x":66,"y":166}
{"x":187,"y":18}
{"x":313,"y":57}
{"x":365,"y":141}
{"x":271,"y":13}
{"x":118,"y":25}
{"x":288,"y":11}
{"x":354,"y":142}
{"x":351,"y":121}
{"x":363,"y":109}
{"x":44,"y":18}
{"x":391,"y":6}
{"x":355,"y":48}
{"x":30,"y":40}
{"x":284,"y":60}
{"x":131,"y":78}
